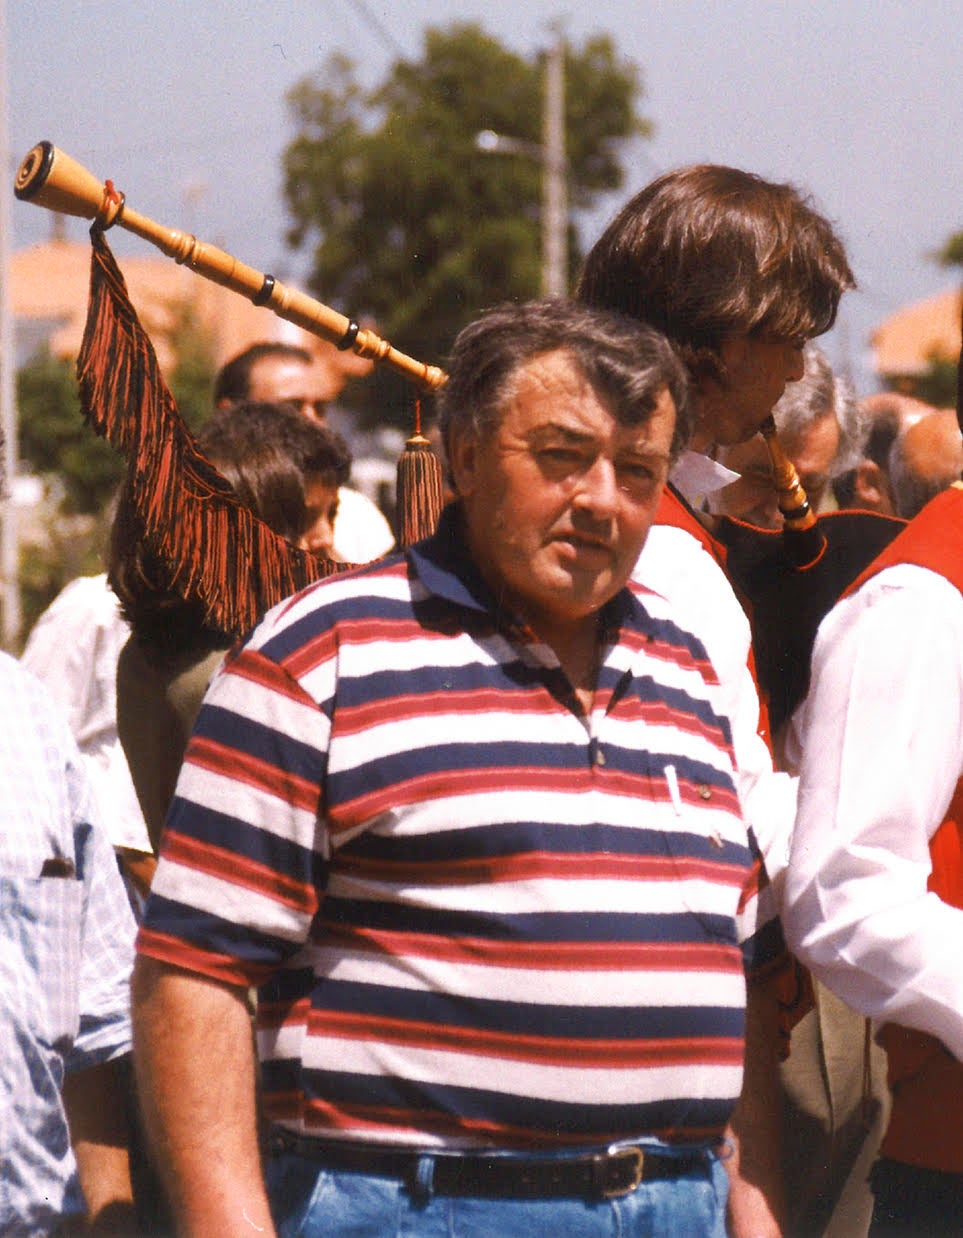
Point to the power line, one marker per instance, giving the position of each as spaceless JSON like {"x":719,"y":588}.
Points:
{"x":380,"y":29}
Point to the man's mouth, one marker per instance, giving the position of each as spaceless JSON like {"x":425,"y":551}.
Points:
{"x":584,"y":543}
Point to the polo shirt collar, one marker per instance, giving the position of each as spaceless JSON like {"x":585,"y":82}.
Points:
{"x":445,"y":567}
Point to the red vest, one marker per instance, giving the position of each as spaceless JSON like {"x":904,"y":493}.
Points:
{"x":926,"y":1124}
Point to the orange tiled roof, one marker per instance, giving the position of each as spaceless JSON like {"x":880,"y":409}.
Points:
{"x":907,"y":341}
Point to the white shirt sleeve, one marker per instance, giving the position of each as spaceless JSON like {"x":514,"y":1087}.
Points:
{"x":676,"y":566}
{"x":881,"y":737}
{"x":73,"y":648}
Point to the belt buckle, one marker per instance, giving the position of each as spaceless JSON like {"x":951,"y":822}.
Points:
{"x":636,"y":1157}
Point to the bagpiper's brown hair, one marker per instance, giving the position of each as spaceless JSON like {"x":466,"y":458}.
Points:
{"x":707,"y":252}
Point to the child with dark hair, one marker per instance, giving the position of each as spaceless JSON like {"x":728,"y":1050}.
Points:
{"x":287,"y":470}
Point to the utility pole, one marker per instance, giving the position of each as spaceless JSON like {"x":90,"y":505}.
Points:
{"x":554,"y":174}
{"x":9,"y":552}
{"x":550,"y":153}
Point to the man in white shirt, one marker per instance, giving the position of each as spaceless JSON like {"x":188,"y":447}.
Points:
{"x":874,"y":896}
{"x":73,"y":647}
{"x":739,"y":273}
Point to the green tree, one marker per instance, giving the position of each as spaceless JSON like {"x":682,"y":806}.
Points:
{"x":192,"y":379}
{"x":937,"y":384}
{"x":81,"y":470}
{"x":407,"y":220}
{"x":54,"y":440}
{"x":951,"y":254}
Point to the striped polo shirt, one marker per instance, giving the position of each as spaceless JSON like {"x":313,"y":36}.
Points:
{"x":477,"y":915}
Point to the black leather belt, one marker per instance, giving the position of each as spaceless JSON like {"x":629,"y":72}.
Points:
{"x":603,"y":1175}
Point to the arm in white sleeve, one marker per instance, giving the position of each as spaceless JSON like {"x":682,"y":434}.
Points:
{"x":882,"y":749}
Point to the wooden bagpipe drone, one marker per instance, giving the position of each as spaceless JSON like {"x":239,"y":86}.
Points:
{"x":223,"y":555}
{"x":219,"y":551}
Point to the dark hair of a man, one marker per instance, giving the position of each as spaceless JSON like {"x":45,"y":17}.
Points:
{"x":625,"y":362}
{"x":266,"y":452}
{"x":233,"y":381}
{"x":707,"y":252}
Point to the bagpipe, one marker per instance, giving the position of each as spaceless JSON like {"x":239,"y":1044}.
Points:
{"x":222,"y":554}
{"x":219,"y":552}
{"x":792,"y":577}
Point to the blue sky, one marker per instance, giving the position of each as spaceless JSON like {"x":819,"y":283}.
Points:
{"x":182,"y":105}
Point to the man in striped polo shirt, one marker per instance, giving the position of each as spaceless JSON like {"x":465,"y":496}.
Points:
{"x":466,"y":817}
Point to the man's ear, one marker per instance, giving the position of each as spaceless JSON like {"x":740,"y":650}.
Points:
{"x":870,"y":488}
{"x":462,"y":461}
{"x":732,"y":353}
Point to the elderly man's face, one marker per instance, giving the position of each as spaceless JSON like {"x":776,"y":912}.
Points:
{"x":559,"y":499}
{"x":753,"y":497}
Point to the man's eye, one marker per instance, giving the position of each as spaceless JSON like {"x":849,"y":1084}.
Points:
{"x":637,"y":472}
{"x":560,"y":455}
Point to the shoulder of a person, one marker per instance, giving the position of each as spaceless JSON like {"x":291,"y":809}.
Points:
{"x":904,"y":605}
{"x":676,"y":565}
{"x":361,"y":531}
{"x":91,"y":593}
{"x":29,"y":703}
{"x":340,"y":595}
{"x":85,"y":601}
{"x":906,"y":586}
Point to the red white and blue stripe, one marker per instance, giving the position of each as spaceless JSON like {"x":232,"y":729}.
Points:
{"x":477,"y":915}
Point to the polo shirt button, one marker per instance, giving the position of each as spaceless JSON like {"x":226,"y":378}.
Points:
{"x":704,"y":792}
{"x":599,"y":757}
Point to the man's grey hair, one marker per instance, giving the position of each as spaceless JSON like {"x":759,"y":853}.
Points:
{"x":627,"y":364}
{"x":819,"y":393}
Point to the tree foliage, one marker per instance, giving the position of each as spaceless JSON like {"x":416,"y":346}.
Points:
{"x":937,"y":384}
{"x":192,"y":378}
{"x":407,"y":220}
{"x":54,"y":440}
{"x":81,"y":470}
{"x":951,"y":254}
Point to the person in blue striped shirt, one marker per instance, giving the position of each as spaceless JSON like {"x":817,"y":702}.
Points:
{"x":467,"y":819}
{"x":66,"y":951}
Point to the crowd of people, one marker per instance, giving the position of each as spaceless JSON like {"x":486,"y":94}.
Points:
{"x":466,"y":895}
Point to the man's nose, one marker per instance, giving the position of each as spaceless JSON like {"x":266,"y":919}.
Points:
{"x":319,"y":540}
{"x":598,"y":489}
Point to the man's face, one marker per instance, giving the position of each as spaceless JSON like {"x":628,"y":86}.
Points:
{"x":559,"y":499}
{"x":813,"y":452}
{"x":753,"y":497}
{"x":286,"y":380}
{"x":758,"y":367}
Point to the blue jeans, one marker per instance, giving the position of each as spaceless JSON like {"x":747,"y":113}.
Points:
{"x":313,"y":1203}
